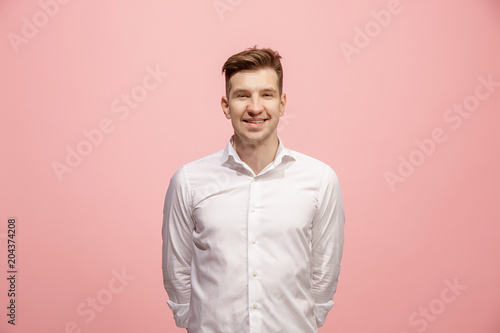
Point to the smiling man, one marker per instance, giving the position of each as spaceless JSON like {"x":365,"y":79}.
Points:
{"x":253,"y":234}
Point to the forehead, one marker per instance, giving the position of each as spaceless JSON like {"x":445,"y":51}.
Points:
{"x":262,"y":78}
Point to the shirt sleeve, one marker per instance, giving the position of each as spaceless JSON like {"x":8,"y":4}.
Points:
{"x":177,"y":249}
{"x":327,"y":244}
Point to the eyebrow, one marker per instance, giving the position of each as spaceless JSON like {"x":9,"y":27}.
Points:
{"x":237,"y":91}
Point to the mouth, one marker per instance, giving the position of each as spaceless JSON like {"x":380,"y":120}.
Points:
{"x":255,"y":123}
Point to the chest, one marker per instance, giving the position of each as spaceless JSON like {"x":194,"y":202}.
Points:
{"x":272,"y":206}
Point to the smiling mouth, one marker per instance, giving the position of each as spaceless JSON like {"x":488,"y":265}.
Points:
{"x":254,"y":121}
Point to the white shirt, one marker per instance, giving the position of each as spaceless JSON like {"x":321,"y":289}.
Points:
{"x":252,"y":253}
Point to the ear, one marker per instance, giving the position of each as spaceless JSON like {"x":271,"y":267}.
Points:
{"x":282,"y":104}
{"x":225,"y":107}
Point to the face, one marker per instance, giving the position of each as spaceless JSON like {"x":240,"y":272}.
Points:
{"x":254,"y":105}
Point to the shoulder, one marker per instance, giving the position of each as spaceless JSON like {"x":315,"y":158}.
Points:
{"x":312,"y":165}
{"x":196,"y":167}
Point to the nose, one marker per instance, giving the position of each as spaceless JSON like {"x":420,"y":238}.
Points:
{"x":255,"y":105}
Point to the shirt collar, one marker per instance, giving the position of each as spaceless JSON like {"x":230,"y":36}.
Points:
{"x":231,"y":157}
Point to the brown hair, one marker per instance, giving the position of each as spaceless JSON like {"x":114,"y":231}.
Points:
{"x":253,"y":58}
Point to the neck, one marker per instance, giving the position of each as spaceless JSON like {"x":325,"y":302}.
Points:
{"x":256,"y":155}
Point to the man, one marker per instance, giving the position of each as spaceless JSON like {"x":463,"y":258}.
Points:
{"x":253,"y":234}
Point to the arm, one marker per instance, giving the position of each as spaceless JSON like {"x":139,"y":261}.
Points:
{"x":327,"y":244}
{"x":177,"y":248}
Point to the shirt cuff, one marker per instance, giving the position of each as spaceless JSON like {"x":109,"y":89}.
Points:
{"x":320,"y":312}
{"x":181,"y":313}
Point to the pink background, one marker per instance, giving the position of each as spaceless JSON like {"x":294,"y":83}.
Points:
{"x":360,"y":113}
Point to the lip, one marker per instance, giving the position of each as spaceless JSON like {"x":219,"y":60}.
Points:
{"x":247,"y":121}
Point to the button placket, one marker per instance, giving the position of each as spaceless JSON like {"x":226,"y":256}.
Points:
{"x":254,"y":283}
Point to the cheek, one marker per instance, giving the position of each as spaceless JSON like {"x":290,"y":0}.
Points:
{"x":236,"y":110}
{"x":277,"y":109}
{"x":234,"y":121}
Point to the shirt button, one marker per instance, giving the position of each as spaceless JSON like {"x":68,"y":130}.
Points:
{"x":252,"y":209}
{"x":254,"y":273}
{"x":255,"y":306}
{"x":254,"y":241}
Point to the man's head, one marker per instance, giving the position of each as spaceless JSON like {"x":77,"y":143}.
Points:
{"x":251,"y":59}
{"x":254,"y":101}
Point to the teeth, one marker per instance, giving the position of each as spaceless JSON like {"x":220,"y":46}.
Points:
{"x":255,"y":122}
